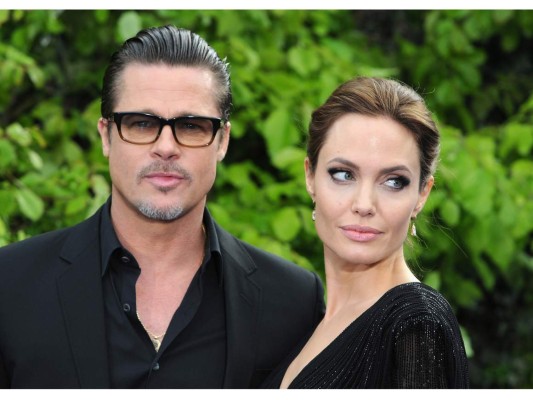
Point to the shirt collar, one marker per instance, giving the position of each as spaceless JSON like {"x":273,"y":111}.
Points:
{"x":108,"y":238}
{"x":109,"y":242}
{"x":213,"y":244}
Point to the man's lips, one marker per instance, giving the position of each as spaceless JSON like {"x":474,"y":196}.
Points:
{"x":164,"y":178}
{"x":360,"y":233}
{"x":162,"y":175}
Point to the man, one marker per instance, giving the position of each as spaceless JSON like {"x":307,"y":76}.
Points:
{"x":150,"y":292}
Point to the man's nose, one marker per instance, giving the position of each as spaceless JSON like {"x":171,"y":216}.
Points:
{"x":166,"y":146}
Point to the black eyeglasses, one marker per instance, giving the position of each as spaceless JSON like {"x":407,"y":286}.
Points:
{"x":189,"y":131}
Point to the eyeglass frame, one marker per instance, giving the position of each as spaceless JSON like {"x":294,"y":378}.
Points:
{"x":218,"y":123}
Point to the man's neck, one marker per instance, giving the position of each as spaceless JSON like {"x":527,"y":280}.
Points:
{"x":158,"y":241}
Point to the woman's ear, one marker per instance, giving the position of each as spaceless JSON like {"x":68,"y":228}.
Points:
{"x":423,"y":196}
{"x":309,"y":179}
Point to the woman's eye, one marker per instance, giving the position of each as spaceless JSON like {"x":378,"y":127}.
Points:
{"x":341,"y":175}
{"x":397,"y":183}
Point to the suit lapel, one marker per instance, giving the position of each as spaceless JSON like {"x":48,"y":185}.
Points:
{"x":81,"y":297}
{"x":242,"y":297}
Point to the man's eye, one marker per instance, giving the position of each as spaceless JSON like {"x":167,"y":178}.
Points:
{"x":190,"y":126}
{"x":140,"y":123}
{"x":143,"y":124}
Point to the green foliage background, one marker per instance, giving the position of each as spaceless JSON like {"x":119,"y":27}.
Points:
{"x":474,"y":68}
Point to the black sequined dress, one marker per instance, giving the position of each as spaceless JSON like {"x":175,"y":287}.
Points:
{"x":409,"y":338}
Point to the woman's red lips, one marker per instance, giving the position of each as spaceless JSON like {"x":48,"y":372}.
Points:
{"x":360,"y":233}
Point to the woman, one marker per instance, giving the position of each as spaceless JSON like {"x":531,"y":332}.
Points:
{"x":371,"y":156}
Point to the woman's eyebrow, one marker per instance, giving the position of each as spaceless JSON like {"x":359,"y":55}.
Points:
{"x":395,"y":168}
{"x":344,"y":161}
{"x":387,"y":170}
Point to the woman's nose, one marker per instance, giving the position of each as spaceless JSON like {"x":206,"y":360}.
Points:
{"x":363,"y":201}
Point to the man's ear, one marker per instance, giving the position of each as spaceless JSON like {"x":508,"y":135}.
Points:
{"x":224,"y":141}
{"x":103,"y":130}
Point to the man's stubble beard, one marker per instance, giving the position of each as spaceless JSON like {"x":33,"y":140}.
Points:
{"x":149,"y":210}
{"x":169,"y":213}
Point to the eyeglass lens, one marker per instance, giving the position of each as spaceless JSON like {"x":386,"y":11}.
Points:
{"x":139,"y":128}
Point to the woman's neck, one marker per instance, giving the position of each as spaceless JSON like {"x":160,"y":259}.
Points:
{"x":360,"y":286}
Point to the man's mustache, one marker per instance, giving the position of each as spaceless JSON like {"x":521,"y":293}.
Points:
{"x":164,"y":167}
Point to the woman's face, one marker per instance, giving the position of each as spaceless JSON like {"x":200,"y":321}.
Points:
{"x":366,"y":189}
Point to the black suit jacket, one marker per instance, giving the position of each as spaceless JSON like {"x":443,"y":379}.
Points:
{"x":52,"y":331}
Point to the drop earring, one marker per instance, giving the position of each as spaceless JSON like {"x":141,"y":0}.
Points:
{"x":313,"y":215}
{"x":413,"y":227}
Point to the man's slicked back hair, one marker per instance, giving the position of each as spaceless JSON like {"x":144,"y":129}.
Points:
{"x":167,"y":45}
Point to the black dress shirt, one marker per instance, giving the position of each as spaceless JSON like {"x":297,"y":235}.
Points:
{"x":193,"y":351}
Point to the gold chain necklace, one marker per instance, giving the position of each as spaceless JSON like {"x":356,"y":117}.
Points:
{"x":158,"y":339}
{"x":155,"y":339}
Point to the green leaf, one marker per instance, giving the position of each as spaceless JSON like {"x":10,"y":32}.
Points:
{"x":286,"y":224}
{"x":473,"y":187}
{"x":129,"y":24}
{"x":433,"y":279}
{"x":76,"y":205}
{"x":508,"y":211}
{"x":7,"y":202}
{"x":238,"y":175}
{"x":101,"y":15}
{"x":466,"y":292}
{"x":36,"y":75}
{"x":35,"y":159}
{"x":244,"y":53}
{"x":450,"y":212}
{"x":29,"y":203}
{"x":100,"y":186}
{"x":3,"y":229}
{"x":19,"y":134}
{"x":220,"y":214}
{"x":278,"y":131}
{"x":4,"y":16}
{"x":517,"y":137}
{"x":434,"y":200}
{"x":469,"y":350}
{"x":469,"y":73}
{"x":478,"y":237}
{"x":484,"y":272}
{"x":71,"y":151}
{"x":458,"y":41}
{"x":290,"y":155}
{"x":7,"y":154}
{"x":502,"y":249}
{"x":304,"y":61}
{"x":524,"y":222}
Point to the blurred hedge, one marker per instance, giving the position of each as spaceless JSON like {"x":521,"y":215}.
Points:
{"x":474,"y":69}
